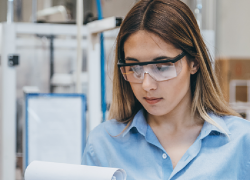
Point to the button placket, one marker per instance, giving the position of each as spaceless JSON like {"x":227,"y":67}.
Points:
{"x":164,"y":156}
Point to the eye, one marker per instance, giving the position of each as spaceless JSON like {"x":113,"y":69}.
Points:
{"x":136,"y":68}
{"x":130,"y":68}
{"x":164,"y":66}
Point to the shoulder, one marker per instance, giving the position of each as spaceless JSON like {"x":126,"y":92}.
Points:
{"x":106,"y":131}
{"x":99,"y":142}
{"x":240,"y":136}
{"x":237,"y":125}
{"x":239,"y":129}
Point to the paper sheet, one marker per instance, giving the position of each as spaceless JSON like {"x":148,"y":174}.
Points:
{"x":39,"y":170}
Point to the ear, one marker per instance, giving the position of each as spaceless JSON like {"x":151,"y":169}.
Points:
{"x":194,"y":67}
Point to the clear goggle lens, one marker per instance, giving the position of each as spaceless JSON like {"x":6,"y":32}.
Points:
{"x":158,"y":71}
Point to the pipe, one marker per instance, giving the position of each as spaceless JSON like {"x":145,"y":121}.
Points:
{"x":51,"y":61}
{"x":79,"y":7}
{"x":103,"y":81}
{"x":34,"y":10}
{"x":198,"y":12}
{"x":10,"y":12}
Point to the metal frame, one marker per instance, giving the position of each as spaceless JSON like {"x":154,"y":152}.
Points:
{"x":94,"y":65}
{"x":240,"y":107}
{"x":232,"y":88}
{"x":8,"y":104}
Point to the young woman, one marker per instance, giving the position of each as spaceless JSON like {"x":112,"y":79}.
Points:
{"x":169,"y":118}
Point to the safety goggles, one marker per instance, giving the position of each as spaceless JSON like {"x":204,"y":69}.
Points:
{"x":161,"y":70}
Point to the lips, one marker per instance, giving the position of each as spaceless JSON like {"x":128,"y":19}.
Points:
{"x":152,"y":100}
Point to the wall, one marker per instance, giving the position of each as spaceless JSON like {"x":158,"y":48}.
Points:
{"x":27,"y":8}
{"x":233,"y":29}
{"x":3,"y":10}
{"x":117,"y":8}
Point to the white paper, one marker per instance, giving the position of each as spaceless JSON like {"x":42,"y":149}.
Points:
{"x":39,"y":170}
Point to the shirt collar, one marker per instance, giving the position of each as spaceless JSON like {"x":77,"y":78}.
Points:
{"x":139,"y":122}
{"x":208,"y":127}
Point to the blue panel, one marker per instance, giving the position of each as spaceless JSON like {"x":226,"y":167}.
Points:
{"x":26,"y":131}
{"x":37,"y":95}
{"x":103,"y":74}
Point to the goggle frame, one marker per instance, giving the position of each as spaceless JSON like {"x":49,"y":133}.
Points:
{"x":172,"y":60}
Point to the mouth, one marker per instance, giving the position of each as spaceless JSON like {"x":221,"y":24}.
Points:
{"x":152,"y":100}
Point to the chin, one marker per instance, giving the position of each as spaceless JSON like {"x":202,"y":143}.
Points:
{"x":156,"y":110}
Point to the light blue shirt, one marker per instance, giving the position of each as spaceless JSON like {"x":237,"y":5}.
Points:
{"x":137,"y":150}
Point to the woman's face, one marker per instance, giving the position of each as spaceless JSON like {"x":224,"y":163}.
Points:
{"x":158,"y":98}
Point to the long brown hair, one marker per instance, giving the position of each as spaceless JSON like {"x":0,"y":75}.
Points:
{"x":174,"y":22}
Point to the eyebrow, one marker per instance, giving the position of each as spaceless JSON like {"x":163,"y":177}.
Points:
{"x":155,"y":59}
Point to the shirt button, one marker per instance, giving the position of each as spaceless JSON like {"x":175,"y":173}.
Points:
{"x":164,"y":156}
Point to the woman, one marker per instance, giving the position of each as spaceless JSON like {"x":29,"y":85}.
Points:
{"x":169,"y":118}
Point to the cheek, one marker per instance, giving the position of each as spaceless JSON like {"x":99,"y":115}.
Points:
{"x":177,"y":88}
{"x":137,"y":89}
{"x":174,"y":89}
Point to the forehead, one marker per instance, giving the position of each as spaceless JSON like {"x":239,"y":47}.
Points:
{"x":146,"y":45}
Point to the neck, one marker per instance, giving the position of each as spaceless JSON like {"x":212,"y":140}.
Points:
{"x":178,"y":118}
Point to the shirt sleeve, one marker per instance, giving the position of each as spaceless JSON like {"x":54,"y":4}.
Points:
{"x":89,"y":155}
{"x":246,"y":157}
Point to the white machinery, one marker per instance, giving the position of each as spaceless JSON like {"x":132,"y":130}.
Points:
{"x":9,"y":39}
{"x":94,"y":75}
{"x":8,"y":103}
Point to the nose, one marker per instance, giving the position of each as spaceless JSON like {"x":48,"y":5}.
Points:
{"x":148,"y":83}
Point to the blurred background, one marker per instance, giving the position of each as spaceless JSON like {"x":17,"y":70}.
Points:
{"x":225,"y":27}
